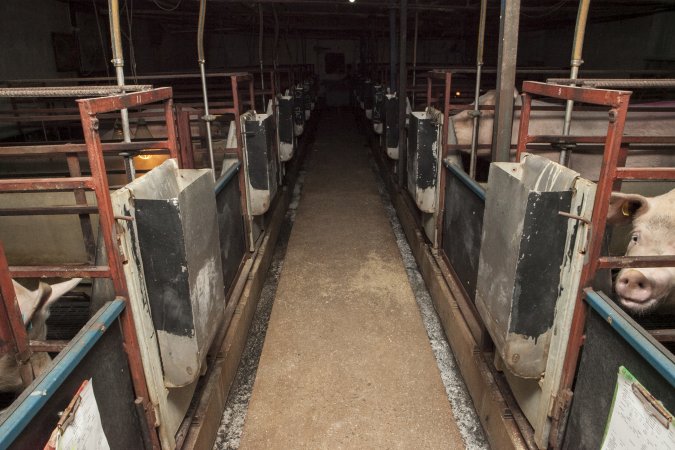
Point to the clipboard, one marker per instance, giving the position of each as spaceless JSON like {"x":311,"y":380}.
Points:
{"x":79,"y":427}
{"x":636,"y":418}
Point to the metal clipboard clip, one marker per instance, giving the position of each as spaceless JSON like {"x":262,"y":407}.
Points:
{"x":652,"y":405}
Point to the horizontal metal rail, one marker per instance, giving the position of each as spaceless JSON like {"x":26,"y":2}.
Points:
{"x":56,"y":210}
{"x":52,"y":346}
{"x":613,"y":98}
{"x":146,"y":147}
{"x":610,"y":262}
{"x":663,"y":334}
{"x":46,"y":184}
{"x":131,"y":100}
{"x":70,"y":91}
{"x":620,"y":83}
{"x":70,"y":271}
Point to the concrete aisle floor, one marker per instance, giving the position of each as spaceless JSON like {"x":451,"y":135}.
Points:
{"x":346,"y":361}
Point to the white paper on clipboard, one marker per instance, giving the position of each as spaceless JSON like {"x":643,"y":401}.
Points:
{"x":633,"y":422}
{"x":82,"y":428}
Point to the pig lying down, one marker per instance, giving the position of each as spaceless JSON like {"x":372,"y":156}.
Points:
{"x":653,"y":233}
{"x":34,"y":306}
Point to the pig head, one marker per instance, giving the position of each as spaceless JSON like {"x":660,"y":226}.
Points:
{"x":34,"y":306}
{"x":653,"y":233}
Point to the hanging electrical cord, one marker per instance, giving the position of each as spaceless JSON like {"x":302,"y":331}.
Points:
{"x":260,"y":56}
{"x":208,"y":118}
{"x":167,"y":8}
{"x":100,"y":37}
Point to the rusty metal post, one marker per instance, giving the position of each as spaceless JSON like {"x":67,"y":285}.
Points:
{"x":576,"y":62}
{"x":476,"y":95}
{"x":17,"y":332}
{"x":207,"y":118}
{"x":402,"y":94}
{"x":118,"y":62}
{"x":506,"y":79}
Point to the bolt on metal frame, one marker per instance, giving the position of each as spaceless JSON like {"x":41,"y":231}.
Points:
{"x":612,"y":172}
{"x":12,"y":329}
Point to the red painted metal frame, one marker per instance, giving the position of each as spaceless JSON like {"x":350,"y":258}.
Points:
{"x":611,"y":174}
{"x":446,"y":77}
{"x":12,"y":331}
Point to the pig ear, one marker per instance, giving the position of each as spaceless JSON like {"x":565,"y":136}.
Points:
{"x":623,"y":208}
{"x":58,"y":290}
{"x":30,"y":301}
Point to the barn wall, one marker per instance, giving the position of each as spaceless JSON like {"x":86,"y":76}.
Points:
{"x":26,"y":34}
{"x":635,"y":43}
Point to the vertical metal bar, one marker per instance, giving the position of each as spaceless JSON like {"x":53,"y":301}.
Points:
{"x":414,"y":61}
{"x":402,"y":94}
{"x":444,"y":152}
{"x":185,"y":137}
{"x":260,"y":57}
{"x":118,"y":62}
{"x":240,"y":155}
{"x":429,"y":90}
{"x":15,"y":322}
{"x":476,"y":94}
{"x":612,"y":153}
{"x":107,"y":223}
{"x":207,"y":118}
{"x":524,"y":125}
{"x":576,"y":62}
{"x":171,"y":138}
{"x":251,"y":93}
{"x":506,"y":79}
{"x":81,"y":199}
{"x":392,"y":48}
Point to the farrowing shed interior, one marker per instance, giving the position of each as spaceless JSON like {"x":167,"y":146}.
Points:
{"x":224,"y":225}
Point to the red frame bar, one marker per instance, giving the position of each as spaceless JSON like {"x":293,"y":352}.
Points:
{"x":60,"y":271}
{"x":611,"y":174}
{"x":46,"y":184}
{"x":13,"y":332}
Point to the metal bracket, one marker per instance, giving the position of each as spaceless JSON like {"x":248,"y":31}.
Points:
{"x":588,"y":228}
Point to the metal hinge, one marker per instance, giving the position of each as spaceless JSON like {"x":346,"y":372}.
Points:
{"x":560,"y":404}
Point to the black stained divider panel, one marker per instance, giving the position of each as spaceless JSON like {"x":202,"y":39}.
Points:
{"x":604,"y":352}
{"x":231,"y":230}
{"x":462,"y":230}
{"x":106,"y":364}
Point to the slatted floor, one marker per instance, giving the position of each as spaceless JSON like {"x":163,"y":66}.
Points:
{"x":346,"y":361}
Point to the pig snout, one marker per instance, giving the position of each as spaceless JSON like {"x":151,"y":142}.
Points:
{"x":634,"y":286}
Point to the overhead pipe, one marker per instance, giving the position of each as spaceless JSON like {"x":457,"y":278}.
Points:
{"x":208,"y":118}
{"x":118,"y":63}
{"x":579,"y":32}
{"x":476,"y":94}
{"x":260,"y":57}
{"x":392,"y":48}
{"x":402,"y":95}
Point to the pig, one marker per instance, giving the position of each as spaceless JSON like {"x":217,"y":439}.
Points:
{"x":34,"y":306}
{"x":584,"y":123}
{"x":653,"y":233}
